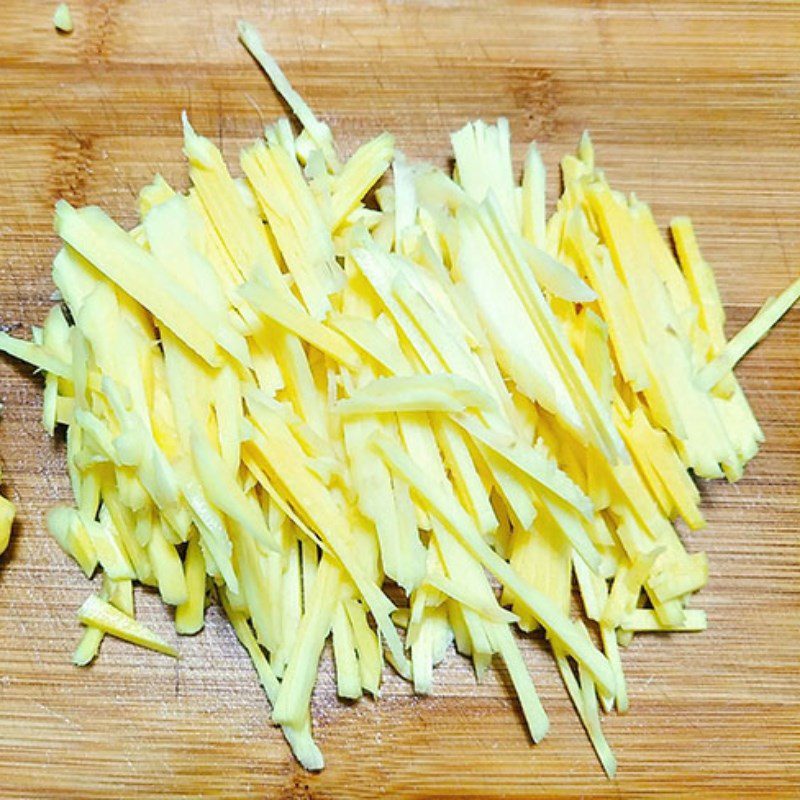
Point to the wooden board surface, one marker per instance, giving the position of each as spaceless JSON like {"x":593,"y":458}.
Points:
{"x":695,"y":106}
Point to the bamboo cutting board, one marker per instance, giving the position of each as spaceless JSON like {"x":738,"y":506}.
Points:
{"x":693,"y":106}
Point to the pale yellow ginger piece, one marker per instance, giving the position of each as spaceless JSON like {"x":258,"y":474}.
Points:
{"x":300,"y":323}
{"x":367,"y":646}
{"x":370,"y":339}
{"x":645,"y":296}
{"x":73,"y":538}
{"x":210,"y":525}
{"x":483,"y":165}
{"x":285,"y":574}
{"x":242,"y":238}
{"x":258,"y":582}
{"x":645,"y":619}
{"x":664,"y":263}
{"x":295,"y":691}
{"x":596,"y":355}
{"x":319,"y":132}
{"x":591,"y":719}
{"x":410,"y":309}
{"x":167,"y":568}
{"x":645,"y":466}
{"x":514,"y":485}
{"x":111,"y":552}
{"x":637,"y":540}
{"x":76,"y":279}
{"x":50,"y":394}
{"x":406,"y":207}
{"x":176,"y":236}
{"x":101,"y":614}
{"x":586,"y":151}
{"x":436,"y":345}
{"x":594,"y":594}
{"x":111,"y":327}
{"x":318,"y":177}
{"x":427,"y":303}
{"x":55,"y":338}
{"x":382,"y":501}
{"x":114,"y":513}
{"x":700,"y":280}
{"x":213,"y":533}
{"x":519,"y":349}
{"x":749,"y":336}
{"x":298,"y":737}
{"x":582,"y":691}
{"x":467,"y":597}
{"x":224,"y":492}
{"x":438,"y":192}
{"x":555,"y":229}
{"x":252,"y":462}
{"x":470,"y":487}
{"x":190,"y":387}
{"x":190,"y":615}
{"x":34,"y":354}
{"x":431,"y":280}
{"x":653,"y":446}
{"x":129,"y":368}
{"x":534,"y":201}
{"x":445,"y":393}
{"x":155,"y":193}
{"x":291,"y":592}
{"x":608,"y":636}
{"x":543,"y":557}
{"x":435,"y":635}
{"x":448,"y":554}
{"x":296,"y":222}
{"x":477,"y":639}
{"x":227,"y":403}
{"x":62,"y":19}
{"x":7,"y":512}
{"x":557,"y":279}
{"x":361,"y":171}
{"x":595,"y":263}
{"x":574,"y":172}
{"x":382,"y":272}
{"x":627,"y":586}
{"x":120,"y":595}
{"x":221,"y":242}
{"x":348,"y":674}
{"x":64,"y":412}
{"x":249,"y":254}
{"x":533,"y":463}
{"x":136,"y":445}
{"x":535,"y":716}
{"x":679,"y":577}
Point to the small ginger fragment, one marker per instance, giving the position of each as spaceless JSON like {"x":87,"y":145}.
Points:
{"x":62,"y":19}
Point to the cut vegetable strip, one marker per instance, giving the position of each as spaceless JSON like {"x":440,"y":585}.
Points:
{"x":749,"y":336}
{"x":104,"y":616}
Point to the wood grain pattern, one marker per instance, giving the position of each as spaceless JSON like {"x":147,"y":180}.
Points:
{"x":692,"y":105}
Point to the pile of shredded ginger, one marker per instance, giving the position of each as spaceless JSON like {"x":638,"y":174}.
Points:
{"x":287,"y":390}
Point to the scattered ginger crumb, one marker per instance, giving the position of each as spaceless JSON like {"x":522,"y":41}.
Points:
{"x":62,"y":19}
